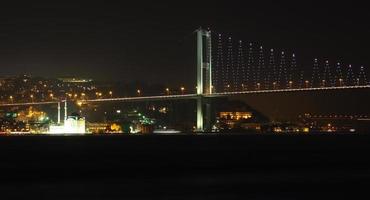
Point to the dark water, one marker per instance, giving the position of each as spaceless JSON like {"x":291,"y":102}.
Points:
{"x":184,"y":167}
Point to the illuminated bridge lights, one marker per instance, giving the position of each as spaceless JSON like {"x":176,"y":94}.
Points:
{"x":288,"y":90}
{"x":28,"y":104}
{"x":190,"y":96}
{"x":166,"y":97}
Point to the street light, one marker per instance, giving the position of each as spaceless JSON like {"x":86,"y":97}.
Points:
{"x":31,"y":96}
{"x":323,"y":83}
{"x":98,"y":94}
{"x":11,"y":98}
{"x":307,"y":84}
{"x":168,"y":91}
{"x":182,"y":90}
{"x":340,"y":82}
{"x":258,"y":86}
{"x":111,"y":94}
{"x":138,"y":92}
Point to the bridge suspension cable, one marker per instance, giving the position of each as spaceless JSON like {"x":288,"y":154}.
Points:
{"x":362,"y":79}
{"x":283,"y":74}
{"x":259,"y":70}
{"x":327,"y":78}
{"x":350,"y":78}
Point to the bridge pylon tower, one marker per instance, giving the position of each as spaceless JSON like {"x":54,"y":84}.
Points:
{"x":204,"y":74}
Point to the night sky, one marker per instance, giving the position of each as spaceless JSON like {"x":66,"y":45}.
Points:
{"x":152,"y":41}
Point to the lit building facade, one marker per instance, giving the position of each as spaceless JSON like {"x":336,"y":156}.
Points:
{"x":235,"y":115}
{"x":73,"y":125}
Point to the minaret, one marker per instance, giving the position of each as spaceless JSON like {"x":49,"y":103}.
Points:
{"x":59,"y":113}
{"x":65,"y":111}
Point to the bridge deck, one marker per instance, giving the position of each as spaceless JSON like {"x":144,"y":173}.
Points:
{"x":287,"y":90}
{"x":192,"y":96}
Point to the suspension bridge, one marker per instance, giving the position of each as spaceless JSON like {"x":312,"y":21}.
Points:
{"x":237,"y":69}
